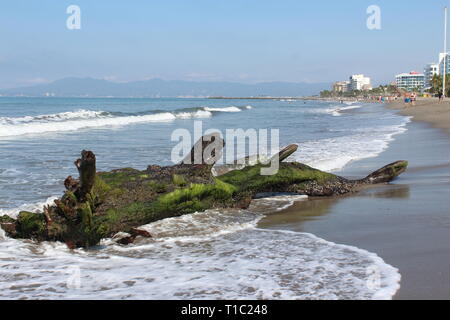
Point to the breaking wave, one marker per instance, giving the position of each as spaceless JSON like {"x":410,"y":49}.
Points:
{"x":84,"y":119}
{"x":333,"y":154}
{"x":228,"y":109}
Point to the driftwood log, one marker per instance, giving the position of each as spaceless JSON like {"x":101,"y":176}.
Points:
{"x":102,"y":204}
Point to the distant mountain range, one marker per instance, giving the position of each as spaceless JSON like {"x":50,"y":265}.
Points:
{"x":154,"y":88}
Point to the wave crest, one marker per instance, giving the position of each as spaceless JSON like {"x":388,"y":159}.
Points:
{"x":226,"y":109}
{"x":84,"y":119}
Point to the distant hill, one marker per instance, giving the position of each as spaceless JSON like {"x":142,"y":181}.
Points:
{"x":89,"y":87}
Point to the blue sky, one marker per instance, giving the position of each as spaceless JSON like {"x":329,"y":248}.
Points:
{"x":216,"y":40}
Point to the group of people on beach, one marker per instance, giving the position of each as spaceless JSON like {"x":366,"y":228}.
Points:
{"x":382,"y":99}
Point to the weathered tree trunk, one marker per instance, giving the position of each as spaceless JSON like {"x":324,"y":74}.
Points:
{"x":101,"y":204}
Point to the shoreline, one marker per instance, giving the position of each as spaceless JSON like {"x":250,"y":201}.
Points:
{"x":406,"y":223}
{"x":304,"y":98}
{"x":428,"y":110}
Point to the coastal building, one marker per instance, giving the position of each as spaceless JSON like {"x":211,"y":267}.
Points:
{"x":360,"y":82}
{"x":441,"y":63}
{"x":341,"y":86}
{"x":430,"y":71}
{"x":410,"y":81}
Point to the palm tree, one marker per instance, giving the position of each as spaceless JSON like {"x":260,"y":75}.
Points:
{"x":436,"y":84}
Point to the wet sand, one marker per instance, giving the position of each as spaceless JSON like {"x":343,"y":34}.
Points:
{"x":407,"y":223}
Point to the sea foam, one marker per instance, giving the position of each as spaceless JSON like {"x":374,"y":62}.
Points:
{"x":227,"y":109}
{"x":85,"y":119}
{"x":206,"y":255}
{"x":333,"y":154}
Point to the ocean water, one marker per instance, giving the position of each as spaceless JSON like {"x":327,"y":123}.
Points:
{"x":213,"y":254}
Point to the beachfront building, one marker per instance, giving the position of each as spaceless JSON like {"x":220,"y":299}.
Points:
{"x":341,"y":86}
{"x":360,"y":82}
{"x":430,"y":71}
{"x":441,"y":63}
{"x":410,"y":81}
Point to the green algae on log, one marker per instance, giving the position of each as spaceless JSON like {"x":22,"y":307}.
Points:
{"x":102,"y":204}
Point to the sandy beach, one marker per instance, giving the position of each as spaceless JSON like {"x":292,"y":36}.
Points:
{"x":428,"y":110}
{"x":407,"y":223}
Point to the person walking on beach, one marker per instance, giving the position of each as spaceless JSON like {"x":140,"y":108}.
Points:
{"x":413,"y":98}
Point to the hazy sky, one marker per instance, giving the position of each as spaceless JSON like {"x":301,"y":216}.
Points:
{"x":216,"y":40}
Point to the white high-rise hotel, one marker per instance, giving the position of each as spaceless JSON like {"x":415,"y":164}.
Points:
{"x":433,"y":69}
{"x":430,"y":71}
{"x":410,"y":81}
{"x":441,"y":63}
{"x":359,"y":82}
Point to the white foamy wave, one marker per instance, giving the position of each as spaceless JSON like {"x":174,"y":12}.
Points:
{"x":227,"y":109}
{"x":212,"y":223}
{"x":196,"y":114}
{"x":276,"y":203}
{"x":350,"y":107}
{"x":337,"y":111}
{"x":335,"y":153}
{"x":187,"y":260}
{"x":85,"y":119}
{"x":209,"y":223}
{"x":33,"y":207}
{"x":62,"y":116}
{"x":37,"y":127}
